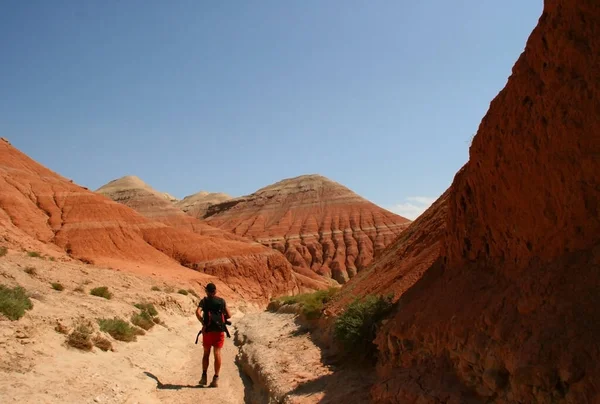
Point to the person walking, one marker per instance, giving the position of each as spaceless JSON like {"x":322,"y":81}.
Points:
{"x":212,"y":312}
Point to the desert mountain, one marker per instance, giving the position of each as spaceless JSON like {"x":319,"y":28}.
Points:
{"x":318,"y":224}
{"x":197,"y":205}
{"x":37,"y":206}
{"x":509,"y":311}
{"x":158,"y":206}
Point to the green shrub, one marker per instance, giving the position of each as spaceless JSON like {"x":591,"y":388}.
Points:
{"x":193,"y":293}
{"x":101,"y":291}
{"x":311,"y":303}
{"x":3,"y":251}
{"x":57,"y":286}
{"x":147,"y":307}
{"x":356,"y":327}
{"x":34,"y":254}
{"x":118,"y":329}
{"x":14,"y":302}
{"x":182,"y":292}
{"x":155,"y":288}
{"x":143,"y":320}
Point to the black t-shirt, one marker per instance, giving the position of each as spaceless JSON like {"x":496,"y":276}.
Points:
{"x":213,"y":304}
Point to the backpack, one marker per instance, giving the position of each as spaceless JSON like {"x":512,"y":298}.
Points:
{"x":214,"y":317}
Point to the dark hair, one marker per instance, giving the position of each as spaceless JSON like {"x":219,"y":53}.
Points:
{"x":211,"y":288}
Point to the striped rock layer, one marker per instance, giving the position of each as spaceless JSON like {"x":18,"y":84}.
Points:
{"x":39,"y":207}
{"x":317,"y":223}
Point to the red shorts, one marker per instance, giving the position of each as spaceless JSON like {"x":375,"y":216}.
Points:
{"x":213,"y":338}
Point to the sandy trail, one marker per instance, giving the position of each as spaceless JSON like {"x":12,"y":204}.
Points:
{"x":162,"y":366}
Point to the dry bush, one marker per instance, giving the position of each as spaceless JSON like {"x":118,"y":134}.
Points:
{"x":102,"y":343}
{"x":30,"y":271}
{"x":80,"y":338}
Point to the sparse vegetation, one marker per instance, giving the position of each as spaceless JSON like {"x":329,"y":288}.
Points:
{"x":148,"y":307}
{"x":155,"y":288}
{"x":3,"y":251}
{"x":14,"y":302}
{"x":79,"y":289}
{"x":356,"y":327}
{"x":169,"y":289}
{"x":142,"y":320}
{"x":193,"y":293}
{"x":34,"y":254}
{"x":101,"y":291}
{"x":30,"y":271}
{"x":102,"y":343}
{"x":183,"y":292}
{"x":57,"y":286}
{"x":119,"y":329}
{"x":311,"y":303}
{"x":80,"y":338}
{"x":145,"y":319}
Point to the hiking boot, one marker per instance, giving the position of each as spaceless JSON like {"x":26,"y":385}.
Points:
{"x":215,"y":382}
{"x":203,"y":380}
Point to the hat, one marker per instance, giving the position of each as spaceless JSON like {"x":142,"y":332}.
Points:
{"x":211,"y":288}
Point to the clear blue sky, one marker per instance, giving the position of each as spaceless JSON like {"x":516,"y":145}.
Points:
{"x":382,"y":96}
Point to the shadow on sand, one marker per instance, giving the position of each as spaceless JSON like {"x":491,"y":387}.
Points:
{"x":162,"y":386}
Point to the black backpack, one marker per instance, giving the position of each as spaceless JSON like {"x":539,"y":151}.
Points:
{"x":213,"y":314}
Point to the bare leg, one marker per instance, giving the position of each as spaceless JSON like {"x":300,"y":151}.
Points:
{"x":206,"y":358}
{"x":217,"y":361}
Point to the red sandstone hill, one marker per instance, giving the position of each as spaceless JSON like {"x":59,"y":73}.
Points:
{"x":157,"y":206}
{"x":39,"y":207}
{"x":320,"y":225}
{"x":509,"y":313}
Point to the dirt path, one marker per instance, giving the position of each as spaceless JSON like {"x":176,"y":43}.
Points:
{"x":178,"y":381}
{"x":162,"y":366}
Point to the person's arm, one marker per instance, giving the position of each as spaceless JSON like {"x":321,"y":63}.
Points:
{"x":199,"y":312}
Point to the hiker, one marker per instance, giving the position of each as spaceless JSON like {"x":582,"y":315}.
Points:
{"x":215,"y":314}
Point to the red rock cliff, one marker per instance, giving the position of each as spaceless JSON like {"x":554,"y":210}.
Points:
{"x":510,"y":313}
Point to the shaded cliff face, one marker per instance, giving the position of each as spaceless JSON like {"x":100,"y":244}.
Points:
{"x":39,"y":207}
{"x":317,"y":223}
{"x":509,"y":313}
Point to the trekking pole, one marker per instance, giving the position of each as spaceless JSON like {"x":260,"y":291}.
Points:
{"x":198,"y":336}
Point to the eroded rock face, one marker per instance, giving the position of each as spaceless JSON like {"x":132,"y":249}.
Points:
{"x":197,"y":205}
{"x":37,"y":204}
{"x":509,"y":313}
{"x":317,"y":223}
{"x":403,"y":262}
